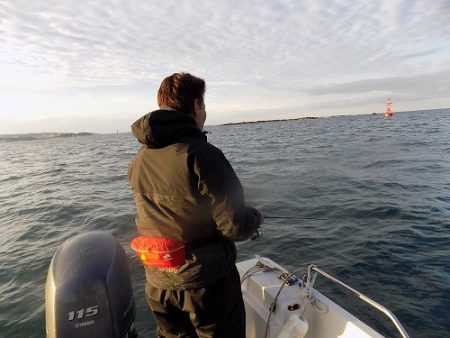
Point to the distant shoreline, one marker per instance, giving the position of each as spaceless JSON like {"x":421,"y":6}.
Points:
{"x":40,"y":136}
{"x":270,"y":121}
{"x":50,"y":135}
{"x":332,"y":116}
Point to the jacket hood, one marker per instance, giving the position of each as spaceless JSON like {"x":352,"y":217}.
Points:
{"x":161,"y":128}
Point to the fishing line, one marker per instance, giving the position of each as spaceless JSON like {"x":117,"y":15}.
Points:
{"x":259,"y":233}
{"x":299,"y":217}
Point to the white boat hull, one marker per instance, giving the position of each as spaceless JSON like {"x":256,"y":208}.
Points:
{"x":322,"y":319}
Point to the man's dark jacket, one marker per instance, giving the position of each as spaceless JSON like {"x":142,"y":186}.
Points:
{"x":185,"y":189}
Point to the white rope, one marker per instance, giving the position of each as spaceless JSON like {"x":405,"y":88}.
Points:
{"x":309,"y":298}
{"x":258,"y":267}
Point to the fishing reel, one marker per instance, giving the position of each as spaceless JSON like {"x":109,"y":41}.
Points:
{"x":257,"y":235}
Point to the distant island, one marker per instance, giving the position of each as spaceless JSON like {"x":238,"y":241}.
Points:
{"x":269,"y":121}
{"x":39,"y":136}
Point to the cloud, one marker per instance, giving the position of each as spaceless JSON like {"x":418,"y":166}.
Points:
{"x":420,"y":53}
{"x":118,"y":41}
{"x":424,"y":84}
{"x":273,"y":53}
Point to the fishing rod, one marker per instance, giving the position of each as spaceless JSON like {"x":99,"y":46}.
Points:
{"x":259,"y":232}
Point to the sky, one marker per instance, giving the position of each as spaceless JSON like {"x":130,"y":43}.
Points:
{"x":96,"y":66}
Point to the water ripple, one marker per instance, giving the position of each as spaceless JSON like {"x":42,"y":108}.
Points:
{"x":382,"y":186}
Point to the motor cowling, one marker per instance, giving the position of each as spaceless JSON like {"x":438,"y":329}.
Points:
{"x":88,"y":290}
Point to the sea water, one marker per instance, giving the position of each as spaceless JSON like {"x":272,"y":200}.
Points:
{"x":381,"y":188}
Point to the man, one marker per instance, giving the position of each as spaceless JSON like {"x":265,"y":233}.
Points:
{"x":190,"y":210}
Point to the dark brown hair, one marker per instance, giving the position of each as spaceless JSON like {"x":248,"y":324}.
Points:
{"x":179,"y":92}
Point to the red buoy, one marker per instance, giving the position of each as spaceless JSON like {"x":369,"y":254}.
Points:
{"x":388,"y":113}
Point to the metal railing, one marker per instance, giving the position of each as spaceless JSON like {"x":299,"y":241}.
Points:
{"x":371,"y":302}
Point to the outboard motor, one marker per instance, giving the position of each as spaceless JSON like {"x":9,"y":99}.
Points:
{"x":88,"y":291}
